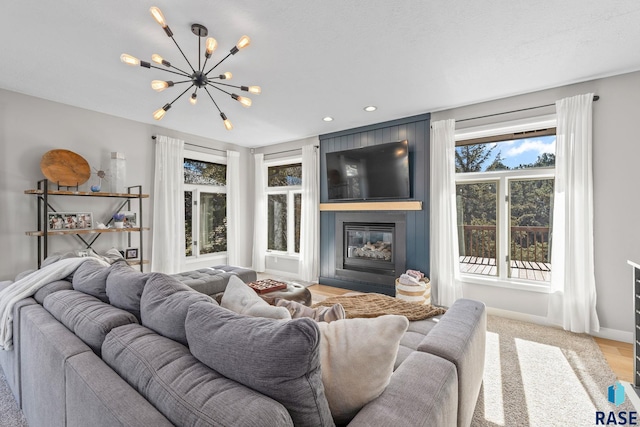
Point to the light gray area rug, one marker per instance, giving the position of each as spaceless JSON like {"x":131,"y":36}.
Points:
{"x":10,"y":414}
{"x":541,"y":376}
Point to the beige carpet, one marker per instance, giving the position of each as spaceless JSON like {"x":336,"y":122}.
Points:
{"x":540,"y":376}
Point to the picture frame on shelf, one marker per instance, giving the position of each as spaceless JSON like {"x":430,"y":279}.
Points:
{"x":131,"y":253}
{"x":130,"y":219}
{"x":60,"y":221}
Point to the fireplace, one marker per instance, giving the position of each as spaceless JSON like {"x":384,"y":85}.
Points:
{"x":370,"y":247}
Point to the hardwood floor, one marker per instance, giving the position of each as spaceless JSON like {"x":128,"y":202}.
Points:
{"x":618,"y":354}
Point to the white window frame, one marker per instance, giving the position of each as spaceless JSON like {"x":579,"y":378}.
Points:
{"x":290,"y":191}
{"x":197,"y":190}
{"x":502,"y":179}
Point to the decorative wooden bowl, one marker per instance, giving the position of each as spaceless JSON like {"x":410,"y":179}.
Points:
{"x":65,"y":168}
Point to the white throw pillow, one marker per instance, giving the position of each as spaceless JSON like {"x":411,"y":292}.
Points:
{"x":357,"y":357}
{"x":241,"y":299}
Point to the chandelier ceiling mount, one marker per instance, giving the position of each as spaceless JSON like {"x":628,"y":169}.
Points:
{"x":197,"y":78}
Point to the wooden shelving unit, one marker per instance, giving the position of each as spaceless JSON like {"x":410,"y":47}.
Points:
{"x":42,"y":233}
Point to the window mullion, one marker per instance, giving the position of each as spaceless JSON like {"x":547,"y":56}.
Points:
{"x":503,"y":229}
{"x":195,"y":222}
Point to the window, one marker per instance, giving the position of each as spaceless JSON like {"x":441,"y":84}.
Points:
{"x":205,"y":205}
{"x":284,"y":205}
{"x":504,"y":197}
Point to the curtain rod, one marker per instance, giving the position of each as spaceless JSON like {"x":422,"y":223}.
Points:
{"x":199,"y":146}
{"x":284,"y":151}
{"x":595,"y":98}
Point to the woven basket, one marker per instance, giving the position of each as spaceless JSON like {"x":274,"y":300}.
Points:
{"x":420,"y":294}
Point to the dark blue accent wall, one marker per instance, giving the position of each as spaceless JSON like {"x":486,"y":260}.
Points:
{"x":416,"y":131}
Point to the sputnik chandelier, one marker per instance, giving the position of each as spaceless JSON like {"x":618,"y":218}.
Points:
{"x":198,"y":78}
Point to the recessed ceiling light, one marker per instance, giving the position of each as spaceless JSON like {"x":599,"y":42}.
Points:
{"x":327,"y":119}
{"x":370,"y":108}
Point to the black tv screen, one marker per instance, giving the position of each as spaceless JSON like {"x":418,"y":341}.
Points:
{"x":374,"y":172}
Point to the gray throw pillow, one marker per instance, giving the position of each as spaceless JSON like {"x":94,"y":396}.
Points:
{"x":164,"y":305}
{"x":91,"y":278}
{"x":86,"y":316}
{"x":186,"y":391}
{"x":280,"y":359}
{"x":124,"y":287}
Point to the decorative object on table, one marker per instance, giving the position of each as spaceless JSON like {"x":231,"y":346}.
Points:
{"x":130,"y":219}
{"x":118,"y":168}
{"x":267,"y":285}
{"x":118,"y":220}
{"x":198,"y":78}
{"x":131,"y":253}
{"x":412,"y":286}
{"x":102,"y":176}
{"x":65,"y":168}
{"x":59,"y":221}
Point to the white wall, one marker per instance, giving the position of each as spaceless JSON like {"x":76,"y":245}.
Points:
{"x":30,"y":126}
{"x":616,"y":153}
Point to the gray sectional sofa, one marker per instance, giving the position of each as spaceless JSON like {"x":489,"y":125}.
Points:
{"x":111,"y":347}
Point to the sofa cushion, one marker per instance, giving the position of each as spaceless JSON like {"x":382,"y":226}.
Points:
{"x":278,"y":359}
{"x":184,"y":390}
{"x":357,"y":357}
{"x":240,"y":298}
{"x":124,"y":287}
{"x":164,"y":305}
{"x":86,"y":316}
{"x":91,"y":278}
{"x":49,"y":288}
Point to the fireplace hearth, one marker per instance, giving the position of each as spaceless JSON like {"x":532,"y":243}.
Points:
{"x":370,"y":247}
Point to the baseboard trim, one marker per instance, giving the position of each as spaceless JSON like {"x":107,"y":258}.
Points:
{"x":607,"y":333}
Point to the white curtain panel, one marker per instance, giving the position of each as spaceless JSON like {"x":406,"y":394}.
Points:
{"x":572,"y":302}
{"x":445,"y":270}
{"x":310,"y":216}
{"x":168,"y":206}
{"x":233,"y":208}
{"x":260,"y":215}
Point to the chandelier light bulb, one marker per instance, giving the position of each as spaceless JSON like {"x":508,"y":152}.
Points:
{"x":129,"y":60}
{"x":246,"y":102}
{"x":227,"y":123}
{"x":211,"y":45}
{"x":160,"y":85}
{"x":160,"y":60}
{"x":226,"y":76}
{"x":158,"y":16}
{"x":194,"y":99}
{"x":243,"y":42}
{"x":256,"y":90}
{"x":159,"y":114}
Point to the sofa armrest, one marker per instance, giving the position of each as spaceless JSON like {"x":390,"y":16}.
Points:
{"x":460,"y":337}
{"x":423,"y":391}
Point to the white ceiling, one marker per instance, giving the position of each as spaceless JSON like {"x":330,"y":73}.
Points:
{"x":313,"y":58}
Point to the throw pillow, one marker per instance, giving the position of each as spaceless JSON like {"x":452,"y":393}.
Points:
{"x":357,"y":357}
{"x":91,"y":278}
{"x":278,"y":359}
{"x":164,"y":305}
{"x":124,"y":287}
{"x":240,"y":298}
{"x":319,"y":314}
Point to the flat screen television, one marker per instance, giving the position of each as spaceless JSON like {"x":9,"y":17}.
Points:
{"x":374,"y":172}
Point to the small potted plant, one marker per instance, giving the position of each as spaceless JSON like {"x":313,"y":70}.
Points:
{"x":118,"y":220}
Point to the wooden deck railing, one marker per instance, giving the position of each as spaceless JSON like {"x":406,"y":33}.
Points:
{"x":527,"y":243}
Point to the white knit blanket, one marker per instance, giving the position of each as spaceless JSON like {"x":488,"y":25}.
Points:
{"x":29,"y":285}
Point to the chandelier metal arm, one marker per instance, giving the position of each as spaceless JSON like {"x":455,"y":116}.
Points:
{"x":221,"y":90}
{"x":219,"y":62}
{"x":181,"y":73}
{"x":178,"y":97}
{"x":214,"y":101}
{"x":183,"y":55}
{"x":225,"y":84}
